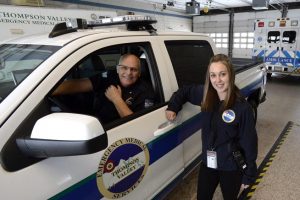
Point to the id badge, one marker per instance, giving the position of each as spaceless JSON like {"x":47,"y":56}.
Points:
{"x":212,"y":159}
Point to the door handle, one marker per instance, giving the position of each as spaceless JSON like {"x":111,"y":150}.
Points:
{"x":277,"y":48}
{"x":164,"y":127}
{"x":281,"y":48}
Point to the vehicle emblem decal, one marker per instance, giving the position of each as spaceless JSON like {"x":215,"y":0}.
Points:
{"x":122,"y":167}
{"x":228,"y":116}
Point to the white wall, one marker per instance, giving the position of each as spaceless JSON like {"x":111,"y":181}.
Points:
{"x":16,"y":21}
{"x":168,"y":19}
{"x":243,"y":22}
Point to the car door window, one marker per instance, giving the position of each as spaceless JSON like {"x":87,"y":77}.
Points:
{"x":190,"y":60}
{"x":100,"y":67}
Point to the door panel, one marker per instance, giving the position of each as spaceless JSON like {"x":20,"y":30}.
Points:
{"x":260,"y":43}
{"x":189,"y":59}
{"x":136,"y":176}
{"x":192,"y":145}
{"x":272,"y":52}
{"x":114,"y":165}
{"x":288,"y":47}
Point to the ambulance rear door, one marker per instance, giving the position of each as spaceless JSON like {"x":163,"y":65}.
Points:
{"x":288,"y":45}
{"x":297,"y":52}
{"x":272,"y":52}
{"x":260,"y":40}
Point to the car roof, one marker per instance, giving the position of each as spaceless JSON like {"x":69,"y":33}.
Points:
{"x":66,"y":32}
{"x":61,"y":40}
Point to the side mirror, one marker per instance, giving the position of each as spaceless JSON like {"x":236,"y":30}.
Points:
{"x":64,"y":134}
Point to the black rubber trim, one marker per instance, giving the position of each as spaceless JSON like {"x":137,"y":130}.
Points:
{"x":40,"y":148}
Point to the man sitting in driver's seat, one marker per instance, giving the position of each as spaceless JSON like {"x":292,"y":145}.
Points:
{"x":114,"y":98}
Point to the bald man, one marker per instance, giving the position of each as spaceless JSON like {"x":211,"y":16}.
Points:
{"x":114,"y":98}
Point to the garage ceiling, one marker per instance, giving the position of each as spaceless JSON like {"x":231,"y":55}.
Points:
{"x":237,"y":5}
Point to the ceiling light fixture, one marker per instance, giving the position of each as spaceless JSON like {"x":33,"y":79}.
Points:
{"x":207,"y":6}
{"x":260,"y":4}
{"x":192,"y":8}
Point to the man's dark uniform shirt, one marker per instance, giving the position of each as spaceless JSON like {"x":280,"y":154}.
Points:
{"x":138,"y":96}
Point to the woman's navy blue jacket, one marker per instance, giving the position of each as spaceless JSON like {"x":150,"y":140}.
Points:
{"x":240,"y":131}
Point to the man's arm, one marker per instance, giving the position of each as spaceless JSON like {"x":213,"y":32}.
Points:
{"x":114,"y":94}
{"x":74,"y":86}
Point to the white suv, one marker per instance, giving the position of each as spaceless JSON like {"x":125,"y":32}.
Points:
{"x":53,"y":148}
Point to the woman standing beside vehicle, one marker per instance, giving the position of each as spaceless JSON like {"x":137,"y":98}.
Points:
{"x":228,"y":131}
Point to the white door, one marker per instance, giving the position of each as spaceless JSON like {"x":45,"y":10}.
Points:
{"x":260,"y":37}
{"x":189,"y":57}
{"x":288,"y":48}
{"x":135,"y":165}
{"x":297,"y":59}
{"x":272,"y":51}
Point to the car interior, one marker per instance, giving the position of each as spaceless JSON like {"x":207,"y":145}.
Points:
{"x":103,"y":63}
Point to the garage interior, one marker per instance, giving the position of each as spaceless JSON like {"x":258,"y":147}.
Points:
{"x":228,"y":23}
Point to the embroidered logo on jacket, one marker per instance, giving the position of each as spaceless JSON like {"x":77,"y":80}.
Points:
{"x":228,"y":116}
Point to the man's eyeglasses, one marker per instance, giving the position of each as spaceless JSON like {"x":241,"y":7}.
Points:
{"x":125,"y":68}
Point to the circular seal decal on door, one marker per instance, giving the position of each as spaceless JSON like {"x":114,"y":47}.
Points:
{"x":122,"y":167}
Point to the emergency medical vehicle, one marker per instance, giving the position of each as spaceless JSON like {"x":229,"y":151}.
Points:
{"x":277,"y":44}
{"x":52,"y":147}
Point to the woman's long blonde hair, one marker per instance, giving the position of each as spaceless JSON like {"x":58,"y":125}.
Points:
{"x":210,"y":97}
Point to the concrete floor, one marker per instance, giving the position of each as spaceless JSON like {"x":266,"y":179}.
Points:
{"x":282,"y":179}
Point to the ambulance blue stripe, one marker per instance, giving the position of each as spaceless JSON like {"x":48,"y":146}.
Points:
{"x":286,"y":53}
{"x":87,"y":188}
{"x":270,"y":57}
{"x":261,"y":54}
{"x":297,"y":60}
{"x":272,"y":53}
{"x":287,"y":59}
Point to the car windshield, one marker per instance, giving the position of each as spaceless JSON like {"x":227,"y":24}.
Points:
{"x":17,"y":61}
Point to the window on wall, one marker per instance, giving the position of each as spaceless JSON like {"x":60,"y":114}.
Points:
{"x":243,"y":40}
{"x":220,"y":39}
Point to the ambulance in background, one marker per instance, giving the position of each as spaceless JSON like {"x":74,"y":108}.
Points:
{"x":277,"y":44}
